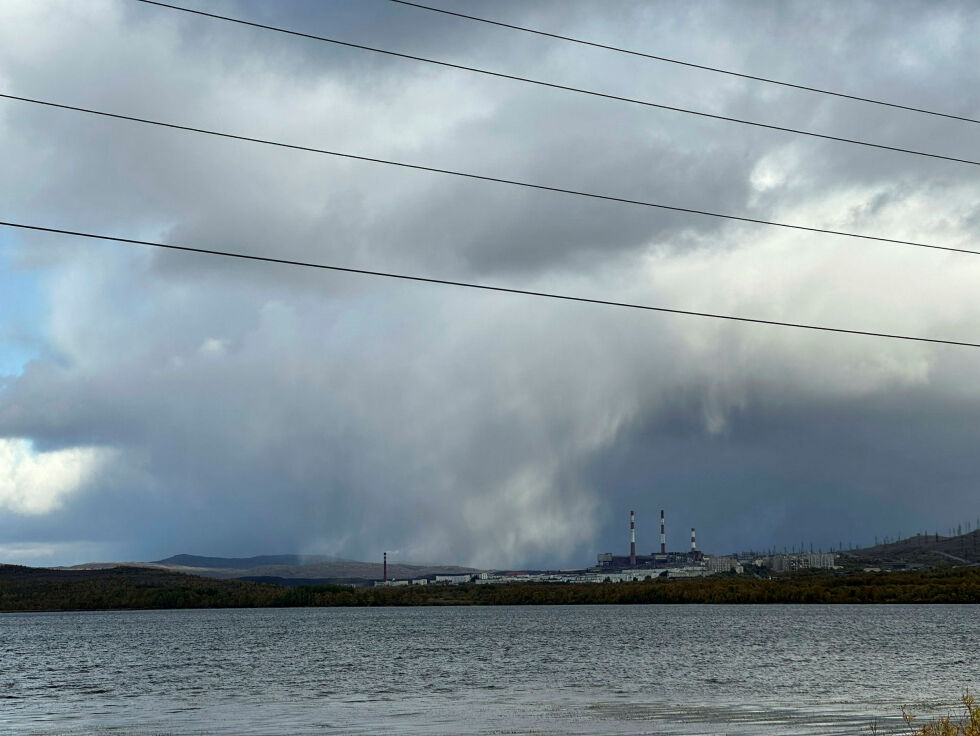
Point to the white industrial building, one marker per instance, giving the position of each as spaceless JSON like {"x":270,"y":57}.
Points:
{"x":454,"y":579}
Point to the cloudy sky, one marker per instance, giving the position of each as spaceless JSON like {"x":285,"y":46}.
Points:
{"x":153,"y":403}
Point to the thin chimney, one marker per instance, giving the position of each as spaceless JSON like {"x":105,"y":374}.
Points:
{"x":663,"y":535}
{"x":632,"y":541}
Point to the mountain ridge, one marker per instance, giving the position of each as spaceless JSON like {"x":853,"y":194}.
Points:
{"x":309,"y":568}
{"x":186,"y":560}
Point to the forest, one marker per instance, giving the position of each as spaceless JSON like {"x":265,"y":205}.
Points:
{"x":122,"y":588}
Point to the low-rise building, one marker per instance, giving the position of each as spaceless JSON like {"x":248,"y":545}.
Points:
{"x":454,"y":579}
{"x":802,"y":561}
{"x":715,"y":565}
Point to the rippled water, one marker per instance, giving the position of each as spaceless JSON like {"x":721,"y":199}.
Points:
{"x":515,"y":670}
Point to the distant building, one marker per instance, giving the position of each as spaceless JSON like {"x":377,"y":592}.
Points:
{"x":714,"y":565}
{"x":814,"y":561}
{"x":609,"y":561}
{"x":454,"y":579}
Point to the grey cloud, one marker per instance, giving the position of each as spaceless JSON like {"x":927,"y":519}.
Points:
{"x":265,"y":409}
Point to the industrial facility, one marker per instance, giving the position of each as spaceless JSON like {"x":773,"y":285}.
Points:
{"x":613,"y":568}
{"x":654,"y":560}
{"x":693,"y":563}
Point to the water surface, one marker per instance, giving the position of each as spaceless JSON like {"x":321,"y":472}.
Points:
{"x":516,"y":670}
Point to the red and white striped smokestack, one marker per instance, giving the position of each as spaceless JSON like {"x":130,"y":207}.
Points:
{"x":694,"y":547}
{"x":385,"y":573}
{"x":663,"y":535}
{"x":632,"y":540}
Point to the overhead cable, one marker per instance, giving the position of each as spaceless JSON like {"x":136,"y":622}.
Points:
{"x":567,"y":88}
{"x":485,"y":287}
{"x":483,"y":177}
{"x":692,"y":65}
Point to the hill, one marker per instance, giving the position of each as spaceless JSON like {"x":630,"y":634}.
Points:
{"x":922,"y":550}
{"x":243,"y":562}
{"x":286,"y":569}
{"x":47,"y":589}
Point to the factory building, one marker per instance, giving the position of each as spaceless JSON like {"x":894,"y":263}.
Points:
{"x":625,"y":562}
{"x":454,"y":579}
{"x":654,"y":560}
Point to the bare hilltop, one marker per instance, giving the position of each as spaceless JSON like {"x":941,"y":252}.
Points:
{"x":286,"y":569}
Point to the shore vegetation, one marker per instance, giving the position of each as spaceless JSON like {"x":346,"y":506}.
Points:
{"x":967,"y":724}
{"x":34,"y":589}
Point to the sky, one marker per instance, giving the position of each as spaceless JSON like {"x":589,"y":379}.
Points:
{"x":155,"y":403}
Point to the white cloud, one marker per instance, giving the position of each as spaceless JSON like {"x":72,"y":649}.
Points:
{"x":214,"y":346}
{"x":36,"y":483}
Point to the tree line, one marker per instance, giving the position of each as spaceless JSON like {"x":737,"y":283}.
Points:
{"x":28,"y":589}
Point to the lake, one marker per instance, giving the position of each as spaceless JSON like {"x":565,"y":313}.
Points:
{"x":509,"y":670}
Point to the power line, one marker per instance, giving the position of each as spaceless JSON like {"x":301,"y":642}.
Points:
{"x":483,"y":287}
{"x":482,"y":177}
{"x":692,"y":65}
{"x":566,"y":88}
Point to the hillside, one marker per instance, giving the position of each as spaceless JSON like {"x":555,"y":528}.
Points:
{"x":46,"y":589}
{"x":922,"y":550}
{"x":243,"y":562}
{"x":284,"y":568}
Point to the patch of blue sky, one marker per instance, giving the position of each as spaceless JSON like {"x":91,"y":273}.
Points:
{"x":21,"y":310}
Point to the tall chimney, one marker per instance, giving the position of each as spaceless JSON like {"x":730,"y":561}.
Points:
{"x":385,"y":574}
{"x":632,"y":541}
{"x":694,"y":547}
{"x":663,"y":536}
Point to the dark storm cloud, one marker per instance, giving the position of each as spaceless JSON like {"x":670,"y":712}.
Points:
{"x":883,"y":458}
{"x":224,"y":408}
